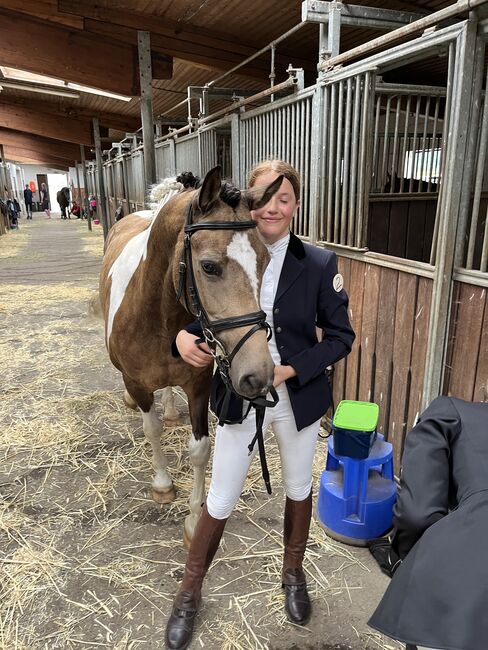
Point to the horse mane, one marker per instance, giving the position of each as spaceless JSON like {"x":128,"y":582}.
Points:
{"x":162,"y":192}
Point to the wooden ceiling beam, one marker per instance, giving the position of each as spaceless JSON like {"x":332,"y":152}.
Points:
{"x":12,"y":153}
{"x":30,"y":120}
{"x":45,"y":9}
{"x":73,"y":55}
{"x":28,"y":159}
{"x":183,"y":41}
{"x":45,"y":145}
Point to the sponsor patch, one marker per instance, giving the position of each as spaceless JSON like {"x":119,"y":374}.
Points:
{"x":338,"y":282}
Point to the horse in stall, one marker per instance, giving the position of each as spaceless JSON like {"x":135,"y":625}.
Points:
{"x":198,"y":257}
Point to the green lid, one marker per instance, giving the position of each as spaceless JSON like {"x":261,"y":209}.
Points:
{"x":357,"y":416}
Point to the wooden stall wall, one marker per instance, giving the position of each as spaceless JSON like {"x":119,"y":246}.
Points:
{"x":466,"y":373}
{"x":389,"y":311}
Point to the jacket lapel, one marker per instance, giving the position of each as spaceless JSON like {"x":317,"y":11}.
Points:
{"x":292,"y":266}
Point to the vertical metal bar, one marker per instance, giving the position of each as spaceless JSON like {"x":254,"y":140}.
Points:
{"x":384,"y":157}
{"x":78,"y":183}
{"x":367,"y":164}
{"x":85,"y":182}
{"x":310,"y":229}
{"x":354,"y":162}
{"x":323,"y":185}
{"x":101,"y":182}
{"x":414,"y":148}
{"x":334,"y":28}
{"x":452,"y":184}
{"x":424,"y":140}
{"x":444,"y":147}
{"x":346,"y":167}
{"x":145,"y":78}
{"x":330,"y":174}
{"x":293,"y":124}
{"x":338,"y":169}
{"x":304,"y":187}
{"x":394,"y":165}
{"x":376,"y":167}
{"x":403,"y":169}
{"x":484,"y":251}
{"x":433,"y":147}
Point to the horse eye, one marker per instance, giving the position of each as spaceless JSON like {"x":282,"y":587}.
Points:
{"x":210,"y":268}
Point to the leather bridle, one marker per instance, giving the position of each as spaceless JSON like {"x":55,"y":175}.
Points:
{"x":188,"y":288}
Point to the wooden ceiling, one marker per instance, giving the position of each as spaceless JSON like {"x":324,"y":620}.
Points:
{"x":94,"y":43}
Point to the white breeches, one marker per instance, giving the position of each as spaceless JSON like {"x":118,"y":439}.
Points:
{"x":231,"y":459}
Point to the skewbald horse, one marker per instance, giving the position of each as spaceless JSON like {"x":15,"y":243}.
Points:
{"x":138,"y":287}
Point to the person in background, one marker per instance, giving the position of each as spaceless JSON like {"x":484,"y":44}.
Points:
{"x":301,"y":289}
{"x":438,"y":593}
{"x":45,"y":204}
{"x":76,"y":210}
{"x":28,"y":201}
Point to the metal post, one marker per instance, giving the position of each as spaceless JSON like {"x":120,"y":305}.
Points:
{"x":334,"y":39}
{"x":102,"y":207}
{"x":85,"y":182}
{"x":451,"y":188}
{"x":78,"y":182}
{"x":145,"y":78}
{"x":235,"y":149}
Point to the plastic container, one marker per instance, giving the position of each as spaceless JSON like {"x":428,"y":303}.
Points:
{"x":354,"y":428}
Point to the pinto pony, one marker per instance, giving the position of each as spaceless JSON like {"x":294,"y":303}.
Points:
{"x":139,"y":283}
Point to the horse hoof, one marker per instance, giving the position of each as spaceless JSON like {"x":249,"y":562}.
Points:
{"x":164,"y":496}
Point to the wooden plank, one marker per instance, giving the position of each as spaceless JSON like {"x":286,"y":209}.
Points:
{"x":466,"y":343}
{"x":46,"y":9}
{"x":339,"y":379}
{"x":356,"y":295}
{"x":480,"y":393}
{"x":72,"y":55}
{"x":402,"y":354}
{"x":368,"y":332}
{"x":21,"y":118}
{"x":415,"y":230}
{"x":385,"y":332}
{"x":419,"y":348}
{"x":397,"y":233}
{"x":19,"y":154}
{"x":38,"y":144}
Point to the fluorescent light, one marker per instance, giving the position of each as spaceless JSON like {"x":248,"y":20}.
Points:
{"x":96,"y":91}
{"x":37,"y":88}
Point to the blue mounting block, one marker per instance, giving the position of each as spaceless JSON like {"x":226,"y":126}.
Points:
{"x":356,"y":496}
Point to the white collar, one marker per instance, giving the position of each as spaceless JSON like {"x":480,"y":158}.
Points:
{"x":278,"y":246}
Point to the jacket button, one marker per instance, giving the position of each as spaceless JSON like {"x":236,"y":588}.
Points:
{"x":278,"y":330}
{"x":276,"y":310}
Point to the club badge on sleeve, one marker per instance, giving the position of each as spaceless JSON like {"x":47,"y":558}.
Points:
{"x":338,"y":282}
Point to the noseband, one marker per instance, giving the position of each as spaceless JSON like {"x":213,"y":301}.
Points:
{"x":187,"y":286}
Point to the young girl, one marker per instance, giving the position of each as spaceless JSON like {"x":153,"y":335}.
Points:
{"x":46,"y":206}
{"x":301,"y":290}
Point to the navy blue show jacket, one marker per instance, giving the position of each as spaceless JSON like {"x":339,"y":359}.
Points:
{"x":306,"y":299}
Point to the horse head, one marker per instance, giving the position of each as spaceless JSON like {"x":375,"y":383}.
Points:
{"x":226,"y":263}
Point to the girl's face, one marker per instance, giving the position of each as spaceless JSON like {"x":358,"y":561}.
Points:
{"x":274,"y":218}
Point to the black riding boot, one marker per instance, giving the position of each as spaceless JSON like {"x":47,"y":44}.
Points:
{"x":295,"y":536}
{"x":206,"y":539}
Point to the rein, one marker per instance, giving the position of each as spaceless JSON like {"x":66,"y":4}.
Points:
{"x":188,"y":288}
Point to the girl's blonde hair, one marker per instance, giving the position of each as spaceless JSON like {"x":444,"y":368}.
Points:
{"x":279,"y":167}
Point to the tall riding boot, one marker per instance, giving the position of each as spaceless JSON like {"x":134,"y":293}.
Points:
{"x":204,"y":545}
{"x":295,"y":536}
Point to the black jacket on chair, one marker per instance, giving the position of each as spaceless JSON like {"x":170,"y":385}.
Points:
{"x":306,"y":299}
{"x":438,"y":597}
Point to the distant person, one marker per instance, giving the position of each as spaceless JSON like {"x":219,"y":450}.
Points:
{"x":438,"y":594}
{"x":76,"y":210}
{"x":45,"y":204}
{"x":28,"y":201}
{"x":93,"y":205}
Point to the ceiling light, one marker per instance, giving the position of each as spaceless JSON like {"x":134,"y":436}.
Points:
{"x":97,"y":91}
{"x":37,"y":88}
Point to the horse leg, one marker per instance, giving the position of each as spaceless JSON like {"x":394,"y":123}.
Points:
{"x":162,"y":484}
{"x":199,"y":452}
{"x":171,"y":415}
{"x":128,"y":401}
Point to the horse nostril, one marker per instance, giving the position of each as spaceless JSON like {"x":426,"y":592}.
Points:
{"x":251,"y":384}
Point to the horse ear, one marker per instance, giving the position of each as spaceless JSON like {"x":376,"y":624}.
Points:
{"x":256,"y":197}
{"x":210,"y":190}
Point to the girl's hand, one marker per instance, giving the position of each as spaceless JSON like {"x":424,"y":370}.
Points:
{"x":199,"y":355}
{"x":282,"y":373}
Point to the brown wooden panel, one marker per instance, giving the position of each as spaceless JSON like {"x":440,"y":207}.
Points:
{"x":419,"y":347}
{"x":385,"y":332}
{"x":356,"y":293}
{"x":466,"y":341}
{"x":368,"y":332}
{"x":430,"y":210}
{"x":339,"y":379}
{"x":378,"y":225}
{"x":480,"y":393}
{"x":397,"y":233}
{"x":402,"y":354}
